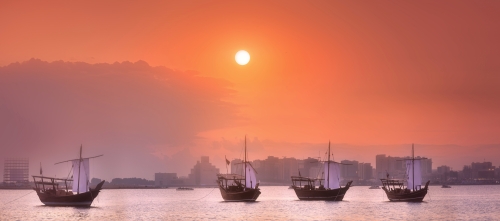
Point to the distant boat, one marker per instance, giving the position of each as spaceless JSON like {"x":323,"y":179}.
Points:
{"x":54,"y":191}
{"x":374,"y":187}
{"x":413,"y":192}
{"x":184,"y":188}
{"x":305,"y":188}
{"x":235,"y":187}
{"x":290,"y":187}
{"x":445,"y":186}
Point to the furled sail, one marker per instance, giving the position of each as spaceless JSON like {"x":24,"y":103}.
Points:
{"x":414,"y":182}
{"x":251,"y":178}
{"x":83,"y":173}
{"x":332,"y":176}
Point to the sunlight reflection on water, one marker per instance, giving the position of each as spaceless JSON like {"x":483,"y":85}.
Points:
{"x":275,"y":203}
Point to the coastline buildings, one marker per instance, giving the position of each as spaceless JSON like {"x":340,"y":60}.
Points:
{"x":203,"y":173}
{"x":396,"y":167}
{"x":167,"y":179}
{"x":16,"y":171}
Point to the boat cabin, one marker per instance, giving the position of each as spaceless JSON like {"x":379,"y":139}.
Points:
{"x":50,"y":185}
{"x":306,"y":183}
{"x":233,"y":182}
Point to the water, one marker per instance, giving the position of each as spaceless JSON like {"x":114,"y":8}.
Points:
{"x":275,"y":203}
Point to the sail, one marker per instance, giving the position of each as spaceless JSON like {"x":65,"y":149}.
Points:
{"x":251,"y":179}
{"x":413,"y":181}
{"x":83,"y":173}
{"x":332,"y":181}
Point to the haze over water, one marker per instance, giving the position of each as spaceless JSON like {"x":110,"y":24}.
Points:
{"x":275,"y":203}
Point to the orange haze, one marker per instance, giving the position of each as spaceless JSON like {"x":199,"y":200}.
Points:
{"x":370,"y":76}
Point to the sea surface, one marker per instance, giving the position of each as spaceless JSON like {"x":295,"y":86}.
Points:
{"x":275,"y":203}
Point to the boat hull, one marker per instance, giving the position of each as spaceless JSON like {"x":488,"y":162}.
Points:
{"x":78,"y":200}
{"x":249,"y":195}
{"x":416,"y":196}
{"x":326,"y":195}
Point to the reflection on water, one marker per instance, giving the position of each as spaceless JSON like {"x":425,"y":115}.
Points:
{"x":459,"y":202}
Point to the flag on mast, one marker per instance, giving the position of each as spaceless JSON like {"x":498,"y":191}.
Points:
{"x":227,"y":161}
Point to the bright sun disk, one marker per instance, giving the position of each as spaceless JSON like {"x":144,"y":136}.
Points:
{"x":242,"y":57}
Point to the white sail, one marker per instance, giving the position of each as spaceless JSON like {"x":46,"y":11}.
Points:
{"x":83,"y":173}
{"x":251,"y":178}
{"x":414,"y":175}
{"x":332,"y":176}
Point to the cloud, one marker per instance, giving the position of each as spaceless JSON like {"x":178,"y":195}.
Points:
{"x":125,"y":110}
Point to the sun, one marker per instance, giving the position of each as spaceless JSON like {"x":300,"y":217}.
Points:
{"x":242,"y":57}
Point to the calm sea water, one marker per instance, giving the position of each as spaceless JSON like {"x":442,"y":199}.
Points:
{"x":275,"y":203}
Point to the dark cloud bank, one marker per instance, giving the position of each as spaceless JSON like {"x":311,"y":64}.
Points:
{"x":126,"y":111}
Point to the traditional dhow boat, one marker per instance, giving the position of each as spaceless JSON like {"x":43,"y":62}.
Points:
{"x":55,"y":192}
{"x":306,"y":189}
{"x":413,"y":191}
{"x":237,"y":188}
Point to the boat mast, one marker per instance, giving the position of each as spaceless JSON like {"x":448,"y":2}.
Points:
{"x":328,"y":175}
{"x":245,"y":161}
{"x":413,"y":166}
{"x":79,"y":163}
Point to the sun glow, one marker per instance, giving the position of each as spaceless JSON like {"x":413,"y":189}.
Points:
{"x":242,"y":57}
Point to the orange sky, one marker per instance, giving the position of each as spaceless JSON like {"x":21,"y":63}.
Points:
{"x":354,"y":72}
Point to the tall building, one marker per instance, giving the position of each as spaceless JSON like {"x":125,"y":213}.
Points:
{"x":237,"y":166}
{"x":484,"y":170}
{"x":16,"y":171}
{"x":365,"y":171}
{"x":349,"y":169}
{"x":203,"y":173}
{"x":310,"y":167}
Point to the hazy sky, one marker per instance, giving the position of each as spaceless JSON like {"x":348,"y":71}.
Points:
{"x":154,"y":85}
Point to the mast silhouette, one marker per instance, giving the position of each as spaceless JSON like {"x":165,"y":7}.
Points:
{"x":413,"y":166}
{"x":79,"y":164}
{"x":245,"y":161}
{"x":328,"y":175}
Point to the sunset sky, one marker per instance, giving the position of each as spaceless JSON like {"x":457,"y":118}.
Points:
{"x":153,"y":85}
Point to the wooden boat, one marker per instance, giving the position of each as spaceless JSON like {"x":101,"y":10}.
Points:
{"x":55,"y":191}
{"x":237,"y":188}
{"x":413,"y":191}
{"x":445,"y":186}
{"x":374,"y":187}
{"x":305,"y":188}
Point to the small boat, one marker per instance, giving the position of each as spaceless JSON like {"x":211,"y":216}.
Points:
{"x":238,"y":188}
{"x":184,"y":188}
{"x":374,"y":187}
{"x":413,"y":191}
{"x":290,"y":187}
{"x":445,"y":186}
{"x":305,"y":188}
{"x":55,"y":191}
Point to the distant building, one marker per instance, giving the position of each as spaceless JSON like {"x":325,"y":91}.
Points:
{"x":166,"y":179}
{"x":237,"y":166}
{"x":311,"y":167}
{"x":396,"y":166}
{"x":443,"y":169}
{"x":484,"y":170}
{"x":365,"y":171}
{"x":349,"y":169}
{"x":16,"y":171}
{"x":203,"y":173}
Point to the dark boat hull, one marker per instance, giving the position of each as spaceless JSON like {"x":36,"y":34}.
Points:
{"x":327,"y":195}
{"x":416,"y":196}
{"x":249,"y":195}
{"x":78,"y":200}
